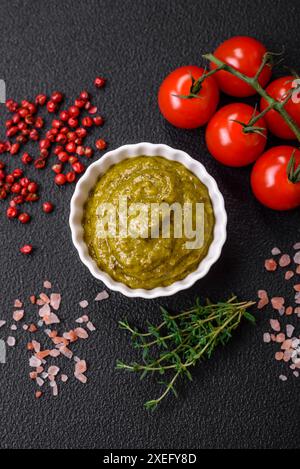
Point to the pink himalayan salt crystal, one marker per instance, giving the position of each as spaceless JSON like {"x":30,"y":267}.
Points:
{"x":289,"y":330}
{"x":55,"y":300}
{"x":66,"y":352}
{"x":283,"y":378}
{"x":18,"y":315}
{"x":296,"y":246}
{"x":270,"y":265}
{"x":296,"y":374}
{"x":18,"y":304}
{"x":80,"y":367}
{"x":83,"y":304}
{"x":51,"y":319}
{"x":40,"y":382}
{"x":287,"y":344}
{"x":297,"y":258}
{"x":285,"y":260}
{"x":53,"y":370}
{"x":11,"y":341}
{"x":297,"y":287}
{"x":45,"y":298}
{"x":264,"y":299}
{"x":36,"y":346}
{"x":82,"y":319}
{"x":2,"y":323}
{"x":81,"y":333}
{"x":267,"y":338}
{"x":54,"y":353}
{"x":25,"y":327}
{"x":103,"y":295}
{"x":297,"y":310}
{"x":287,"y":356}
{"x":280,"y":338}
{"x":275,"y":251}
{"x":275,"y":325}
{"x":13,"y":327}
{"x":298,"y":270}
{"x":289,"y":274}
{"x":47,"y":284}
{"x":277,"y":302}
{"x":64,"y":378}
{"x":35,"y":362}
{"x":279,"y":356}
{"x":54,"y":387}
{"x":82,"y":378}
{"x":289,"y":311}
{"x":90,"y":326}
{"x":45,"y":310}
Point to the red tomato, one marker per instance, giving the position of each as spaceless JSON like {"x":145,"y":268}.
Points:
{"x":245,"y":54}
{"x":278,"y":90}
{"x":187,"y":113}
{"x":270,"y":182}
{"x":226,"y":140}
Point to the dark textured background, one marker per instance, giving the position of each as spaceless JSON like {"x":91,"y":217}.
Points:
{"x":236,"y":399}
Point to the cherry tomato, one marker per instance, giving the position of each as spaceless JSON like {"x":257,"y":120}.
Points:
{"x":226,"y":140}
{"x":245,"y":54}
{"x":192,"y":112}
{"x":270,"y":181}
{"x":278,"y":90}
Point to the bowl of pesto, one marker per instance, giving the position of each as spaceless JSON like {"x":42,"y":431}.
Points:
{"x":148,"y":220}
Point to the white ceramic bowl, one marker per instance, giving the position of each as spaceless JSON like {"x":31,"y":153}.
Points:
{"x":88,"y":181}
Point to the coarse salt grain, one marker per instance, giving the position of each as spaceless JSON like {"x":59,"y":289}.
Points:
{"x":277,"y":302}
{"x":11,"y":341}
{"x":296,"y":246}
{"x":289,"y":274}
{"x":18,"y":315}
{"x":275,"y":325}
{"x":289,"y":330}
{"x":91,"y":326}
{"x":297,"y":258}
{"x":275,"y":252}
{"x":45,"y":298}
{"x":45,"y":310}
{"x":53,"y":370}
{"x":270,"y":265}
{"x":267,"y":338}
{"x":81,"y":333}
{"x":82,"y":378}
{"x":55,"y":300}
{"x":18,"y":304}
{"x":47,"y":284}
{"x":2,"y":323}
{"x":83,"y":304}
{"x":285,"y":260}
{"x":283,"y":378}
{"x":34,"y":362}
{"x":80,"y":367}
{"x":264,"y":299}
{"x":103,"y":295}
{"x":13,"y":327}
{"x":64,"y":378}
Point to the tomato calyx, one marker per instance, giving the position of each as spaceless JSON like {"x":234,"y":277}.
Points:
{"x":293,"y":173}
{"x":251,"y":129}
{"x":195,"y":89}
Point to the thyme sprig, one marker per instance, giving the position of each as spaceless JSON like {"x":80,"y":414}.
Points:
{"x":182,"y":340}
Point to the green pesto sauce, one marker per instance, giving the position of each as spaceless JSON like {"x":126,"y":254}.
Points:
{"x":145,"y":262}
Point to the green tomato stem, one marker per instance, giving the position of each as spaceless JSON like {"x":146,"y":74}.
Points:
{"x":272,"y":103}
